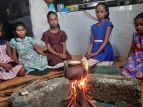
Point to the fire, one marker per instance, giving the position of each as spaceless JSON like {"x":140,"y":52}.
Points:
{"x":78,"y":96}
{"x":82,"y":83}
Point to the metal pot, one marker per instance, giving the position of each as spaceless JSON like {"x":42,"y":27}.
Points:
{"x":74,"y":71}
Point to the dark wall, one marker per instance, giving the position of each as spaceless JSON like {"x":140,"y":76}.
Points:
{"x":12,"y":11}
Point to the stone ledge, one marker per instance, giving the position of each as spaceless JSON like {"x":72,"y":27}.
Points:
{"x":46,"y":93}
{"x":108,"y":89}
{"x":118,"y":90}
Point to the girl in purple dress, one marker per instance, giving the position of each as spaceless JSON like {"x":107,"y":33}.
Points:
{"x":134,"y":65}
{"x":8,"y":67}
{"x":100,"y":50}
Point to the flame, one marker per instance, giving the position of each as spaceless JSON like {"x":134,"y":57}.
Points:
{"x":86,"y":65}
{"x":82,"y":85}
{"x":83,"y":81}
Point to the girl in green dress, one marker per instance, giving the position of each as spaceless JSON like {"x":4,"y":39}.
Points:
{"x":28,"y":52}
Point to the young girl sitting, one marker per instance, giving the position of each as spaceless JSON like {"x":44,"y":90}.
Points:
{"x":100,"y":49}
{"x":134,"y":65}
{"x":55,"y":40}
{"x":28,"y":52}
{"x":8,"y":67}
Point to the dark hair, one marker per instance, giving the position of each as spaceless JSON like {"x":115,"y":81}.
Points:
{"x":2,"y":28}
{"x":16,"y":25}
{"x":138,"y":16}
{"x":52,"y":12}
{"x":19,"y":24}
{"x":105,"y":7}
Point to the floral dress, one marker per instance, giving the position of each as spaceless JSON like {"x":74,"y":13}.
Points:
{"x":27,"y":55}
{"x":134,"y":65}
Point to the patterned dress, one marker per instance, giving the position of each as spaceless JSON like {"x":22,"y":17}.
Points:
{"x":27,"y":55}
{"x":4,"y":58}
{"x":134,"y":65}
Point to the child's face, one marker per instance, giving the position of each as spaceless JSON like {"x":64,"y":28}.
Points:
{"x":139,"y":25}
{"x":100,"y":12}
{"x":20,"y":31}
{"x":53,"y":20}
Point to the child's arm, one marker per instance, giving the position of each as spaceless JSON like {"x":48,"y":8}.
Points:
{"x":132,"y":49}
{"x":63,"y":42}
{"x":91,"y":45}
{"x":63,"y":56}
{"x":38,"y":50}
{"x":106,"y":39}
{"x":6,"y":66}
{"x":9,"y":53}
{"x":14,"y":54}
{"x":64,"y":48}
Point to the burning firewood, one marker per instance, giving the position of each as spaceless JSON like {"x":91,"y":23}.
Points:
{"x":77,"y":74}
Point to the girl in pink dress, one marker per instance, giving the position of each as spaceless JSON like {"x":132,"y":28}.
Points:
{"x":134,"y":65}
{"x":8,"y":67}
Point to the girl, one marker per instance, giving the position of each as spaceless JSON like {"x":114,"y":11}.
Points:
{"x":55,"y":40}
{"x":29,"y":54}
{"x":100,"y":49}
{"x":8,"y":67}
{"x":134,"y":65}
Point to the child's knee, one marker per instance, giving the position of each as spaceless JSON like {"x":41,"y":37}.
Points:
{"x":21,"y":72}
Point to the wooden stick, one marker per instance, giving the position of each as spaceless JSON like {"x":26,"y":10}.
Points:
{"x":91,"y":103}
{"x":29,"y":81}
{"x":88,"y":97}
{"x":70,"y":103}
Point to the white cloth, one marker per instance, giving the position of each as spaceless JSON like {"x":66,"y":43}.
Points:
{"x":38,"y":13}
{"x":91,"y":62}
{"x":105,"y":63}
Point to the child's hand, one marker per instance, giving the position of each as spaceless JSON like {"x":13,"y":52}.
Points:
{"x":7,"y":66}
{"x":43,"y":54}
{"x":92,"y":55}
{"x":62,"y":56}
{"x":88,"y":55}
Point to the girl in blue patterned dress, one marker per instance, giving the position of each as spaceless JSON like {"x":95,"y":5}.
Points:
{"x":100,"y":49}
{"x":28,"y":52}
{"x":134,"y":65}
